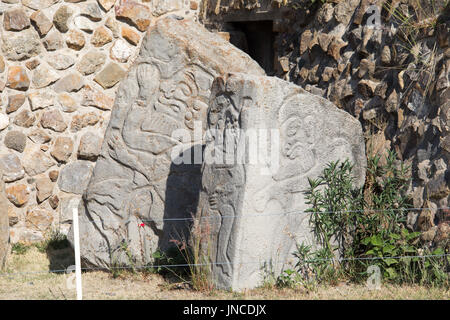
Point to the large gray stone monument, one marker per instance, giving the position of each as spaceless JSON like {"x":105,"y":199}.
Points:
{"x":136,"y":182}
{"x":252,"y":202}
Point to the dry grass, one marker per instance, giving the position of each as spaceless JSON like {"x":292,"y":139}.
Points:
{"x":101,"y":285}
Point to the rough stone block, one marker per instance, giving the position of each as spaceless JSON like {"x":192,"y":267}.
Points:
{"x":135,"y":184}
{"x":265,"y":138}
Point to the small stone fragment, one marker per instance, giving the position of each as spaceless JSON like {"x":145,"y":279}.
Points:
{"x":367,"y":88}
{"x":335,"y":47}
{"x":90,"y":145}
{"x":91,"y":62}
{"x":130,"y":35}
{"x":16,"y":140}
{"x":113,"y":25}
{"x":53,"y":175}
{"x":96,"y":98}
{"x":136,"y":14}
{"x":324,"y":41}
{"x":18,"y":194}
{"x":53,"y":201}
{"x":84,"y":24}
{"x":392,"y":102}
{"x":74,"y":177}
{"x":366,"y":66}
{"x":67,"y":102}
{"x":62,"y":149}
{"x":60,"y":61}
{"x":53,"y":41}
{"x":36,"y":162}
{"x":12,"y":216}
{"x":40,"y":99}
{"x":92,"y":11}
{"x":39,"y":136}
{"x":401,"y":82}
{"x":106,"y":4}
{"x":386,"y":55}
{"x":305,"y":39}
{"x":41,"y":22}
{"x":11,"y":167}
{"x":75,"y":40}
{"x":70,"y":83}
{"x":43,"y":76}
{"x":32,"y":64}
{"x":81,"y":121}
{"x":15,"y":101}
{"x":25,"y":119}
{"x":44,"y":188}
{"x":53,"y":120}
{"x":17,"y":78}
{"x":101,"y":37}
{"x":61,"y":18}
{"x":15,"y":20}
{"x":110,"y":75}
{"x":121,"y":51}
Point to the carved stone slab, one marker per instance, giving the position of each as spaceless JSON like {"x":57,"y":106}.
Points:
{"x":136,"y":182}
{"x":255,"y":207}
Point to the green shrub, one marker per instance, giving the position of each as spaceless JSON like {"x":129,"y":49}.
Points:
{"x":359,"y":227}
{"x":19,"y":248}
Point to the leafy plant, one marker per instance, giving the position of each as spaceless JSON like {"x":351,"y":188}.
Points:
{"x":19,"y":248}
{"x":334,"y":204}
{"x":117,"y":267}
{"x":365,"y":226}
{"x":400,"y":258}
{"x":288,"y":279}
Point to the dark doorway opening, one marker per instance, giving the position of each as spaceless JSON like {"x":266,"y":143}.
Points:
{"x":256,"y":38}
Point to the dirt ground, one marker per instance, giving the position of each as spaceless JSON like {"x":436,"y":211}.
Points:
{"x":24,"y":282}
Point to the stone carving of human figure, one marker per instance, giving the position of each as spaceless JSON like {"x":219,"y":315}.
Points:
{"x":223,"y":197}
{"x":135,"y":147}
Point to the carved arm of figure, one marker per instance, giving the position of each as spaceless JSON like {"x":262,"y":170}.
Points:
{"x":119,"y":151}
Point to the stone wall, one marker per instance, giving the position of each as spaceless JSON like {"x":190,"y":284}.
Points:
{"x":60,"y":65}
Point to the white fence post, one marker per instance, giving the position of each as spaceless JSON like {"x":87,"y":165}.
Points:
{"x":76,"y":237}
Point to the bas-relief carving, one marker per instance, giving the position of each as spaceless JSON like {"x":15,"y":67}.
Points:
{"x":136,"y":183}
{"x":144,"y":144}
{"x":267,"y":210}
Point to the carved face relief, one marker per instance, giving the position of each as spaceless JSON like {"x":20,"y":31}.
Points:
{"x":297,"y":148}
